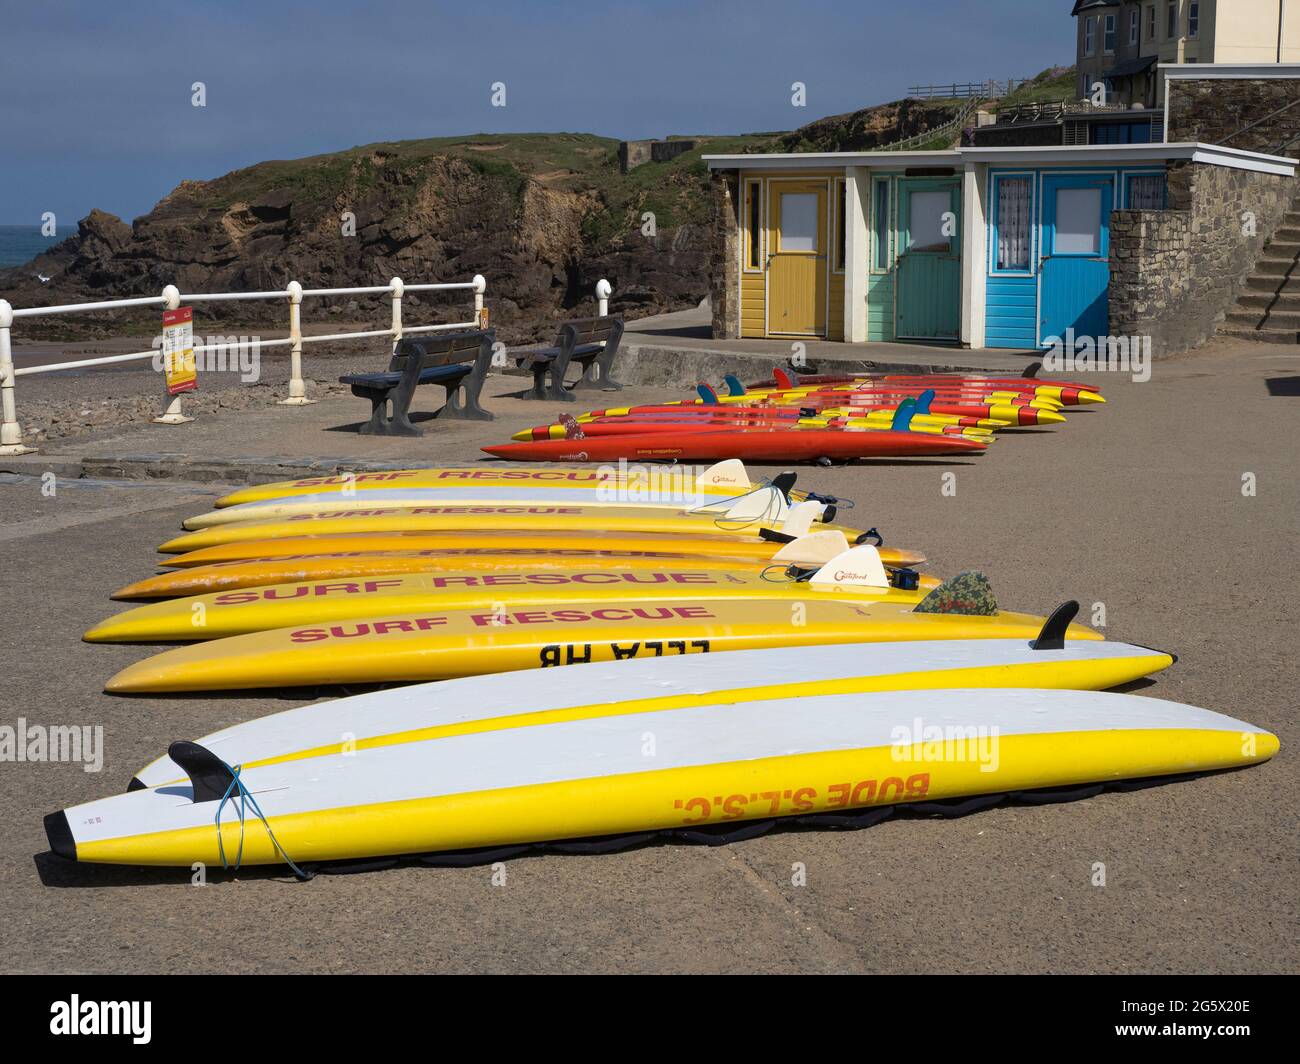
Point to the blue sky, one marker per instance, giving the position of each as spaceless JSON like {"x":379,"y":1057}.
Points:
{"x":95,"y":107}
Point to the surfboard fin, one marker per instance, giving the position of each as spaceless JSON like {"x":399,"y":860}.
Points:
{"x":706,"y":393}
{"x":969,"y":594}
{"x":784,"y":482}
{"x":210,"y":776}
{"x":903,"y":416}
{"x":924,"y":400}
{"x":572,"y":430}
{"x":1052,"y":636}
{"x":782,"y":378}
{"x":734,"y":387}
{"x":1033,"y":370}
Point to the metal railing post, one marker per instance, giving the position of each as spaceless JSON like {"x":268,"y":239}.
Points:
{"x":11,"y":433}
{"x":603,"y":292}
{"x":397,"y":288}
{"x":297,"y":389}
{"x":172,"y":415}
{"x":480,"y":286}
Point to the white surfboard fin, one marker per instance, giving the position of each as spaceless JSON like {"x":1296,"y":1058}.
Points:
{"x":762,"y":504}
{"x":800,"y":519}
{"x":816,"y":548}
{"x":209,"y":775}
{"x":856,"y":567}
{"x":728,"y":474}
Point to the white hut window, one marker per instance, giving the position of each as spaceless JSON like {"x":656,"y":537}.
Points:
{"x":1146,"y":192}
{"x":1014,"y":195}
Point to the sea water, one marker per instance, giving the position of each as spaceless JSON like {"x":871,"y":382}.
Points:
{"x":22,"y":243}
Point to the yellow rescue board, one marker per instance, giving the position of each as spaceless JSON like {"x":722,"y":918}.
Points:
{"x":227,"y":613}
{"x":750,"y":547}
{"x":231,"y":576}
{"x":484,"y":476}
{"x":450,"y":643}
{"x":504,"y":518}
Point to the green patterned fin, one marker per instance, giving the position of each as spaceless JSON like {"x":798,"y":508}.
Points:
{"x":968,"y":593}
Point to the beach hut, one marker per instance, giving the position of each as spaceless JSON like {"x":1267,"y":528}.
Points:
{"x":989,"y":247}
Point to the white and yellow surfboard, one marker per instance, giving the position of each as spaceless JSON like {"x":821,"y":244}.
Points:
{"x":710,"y":762}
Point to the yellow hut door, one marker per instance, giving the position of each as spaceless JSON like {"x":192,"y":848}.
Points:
{"x":797,"y":265}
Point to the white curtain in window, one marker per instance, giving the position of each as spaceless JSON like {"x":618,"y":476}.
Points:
{"x":1146,"y":192}
{"x":1013,"y":223}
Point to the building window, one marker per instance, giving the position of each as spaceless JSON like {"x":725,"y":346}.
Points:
{"x":1108,"y":40}
{"x":880,"y":228}
{"x":754,"y":202}
{"x":1146,"y":192}
{"x":1171,"y":23}
{"x":1193,"y":19}
{"x":1014,"y":203}
{"x":1090,"y":36}
{"x":841,"y":219}
{"x":1134,"y":25}
{"x":1151,"y":22}
{"x":1120,"y":133}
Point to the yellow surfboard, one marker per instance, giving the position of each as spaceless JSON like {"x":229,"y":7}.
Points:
{"x":751,"y":548}
{"x":449,"y":643}
{"x":261,"y":572}
{"x":857,"y":575}
{"x":723,"y":478}
{"x":522,"y":518}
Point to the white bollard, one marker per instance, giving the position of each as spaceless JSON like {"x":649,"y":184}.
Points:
{"x":172,"y":415}
{"x":297,"y":389}
{"x":11,"y":433}
{"x":603,"y":291}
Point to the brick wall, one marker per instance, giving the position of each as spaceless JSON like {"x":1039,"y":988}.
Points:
{"x":1211,"y":110}
{"x":1175,"y":273}
{"x":724,"y":255}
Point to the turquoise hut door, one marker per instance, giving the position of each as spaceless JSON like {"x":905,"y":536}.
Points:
{"x":1074,"y":273}
{"x":929,"y":260}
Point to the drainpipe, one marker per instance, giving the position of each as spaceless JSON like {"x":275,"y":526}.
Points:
{"x":1281,"y":25}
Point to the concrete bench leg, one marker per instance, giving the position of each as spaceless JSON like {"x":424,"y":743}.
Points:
{"x":380,"y":424}
{"x":595,"y":373}
{"x":467,"y":409}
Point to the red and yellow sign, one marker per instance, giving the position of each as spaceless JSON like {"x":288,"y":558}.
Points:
{"x":178,"y":351}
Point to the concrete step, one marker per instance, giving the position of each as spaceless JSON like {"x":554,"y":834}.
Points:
{"x":1255,"y":318}
{"x":1279,"y":285}
{"x":1289,"y":234}
{"x":1277,"y":268}
{"x":1278,"y":302}
{"x":1263,"y":336}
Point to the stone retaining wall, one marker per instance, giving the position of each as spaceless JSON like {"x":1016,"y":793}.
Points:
{"x":724,"y":255}
{"x":1175,"y":273}
{"x":1212,"y":110}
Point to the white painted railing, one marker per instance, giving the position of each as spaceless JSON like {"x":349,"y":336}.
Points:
{"x":11,"y":439}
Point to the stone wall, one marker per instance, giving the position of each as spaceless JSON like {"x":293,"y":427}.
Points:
{"x":1211,"y":110}
{"x":724,"y":255}
{"x":1174,"y":274}
{"x":634,"y":153}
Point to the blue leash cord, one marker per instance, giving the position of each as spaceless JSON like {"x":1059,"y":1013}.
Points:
{"x":245,"y":797}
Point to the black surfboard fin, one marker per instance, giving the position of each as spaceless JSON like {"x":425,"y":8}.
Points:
{"x":1052,"y":637}
{"x":1033,"y":369}
{"x":210,"y":776}
{"x":783,"y":482}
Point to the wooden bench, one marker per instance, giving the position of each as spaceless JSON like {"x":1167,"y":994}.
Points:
{"x":457,"y":361}
{"x":591,"y":342}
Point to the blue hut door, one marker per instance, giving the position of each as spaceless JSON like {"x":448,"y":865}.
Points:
{"x":1075,"y":269}
{"x":929,"y":260}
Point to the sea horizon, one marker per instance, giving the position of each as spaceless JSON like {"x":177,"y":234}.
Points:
{"x":19,"y":244}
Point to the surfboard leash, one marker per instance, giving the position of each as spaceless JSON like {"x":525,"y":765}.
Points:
{"x":245,"y":797}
